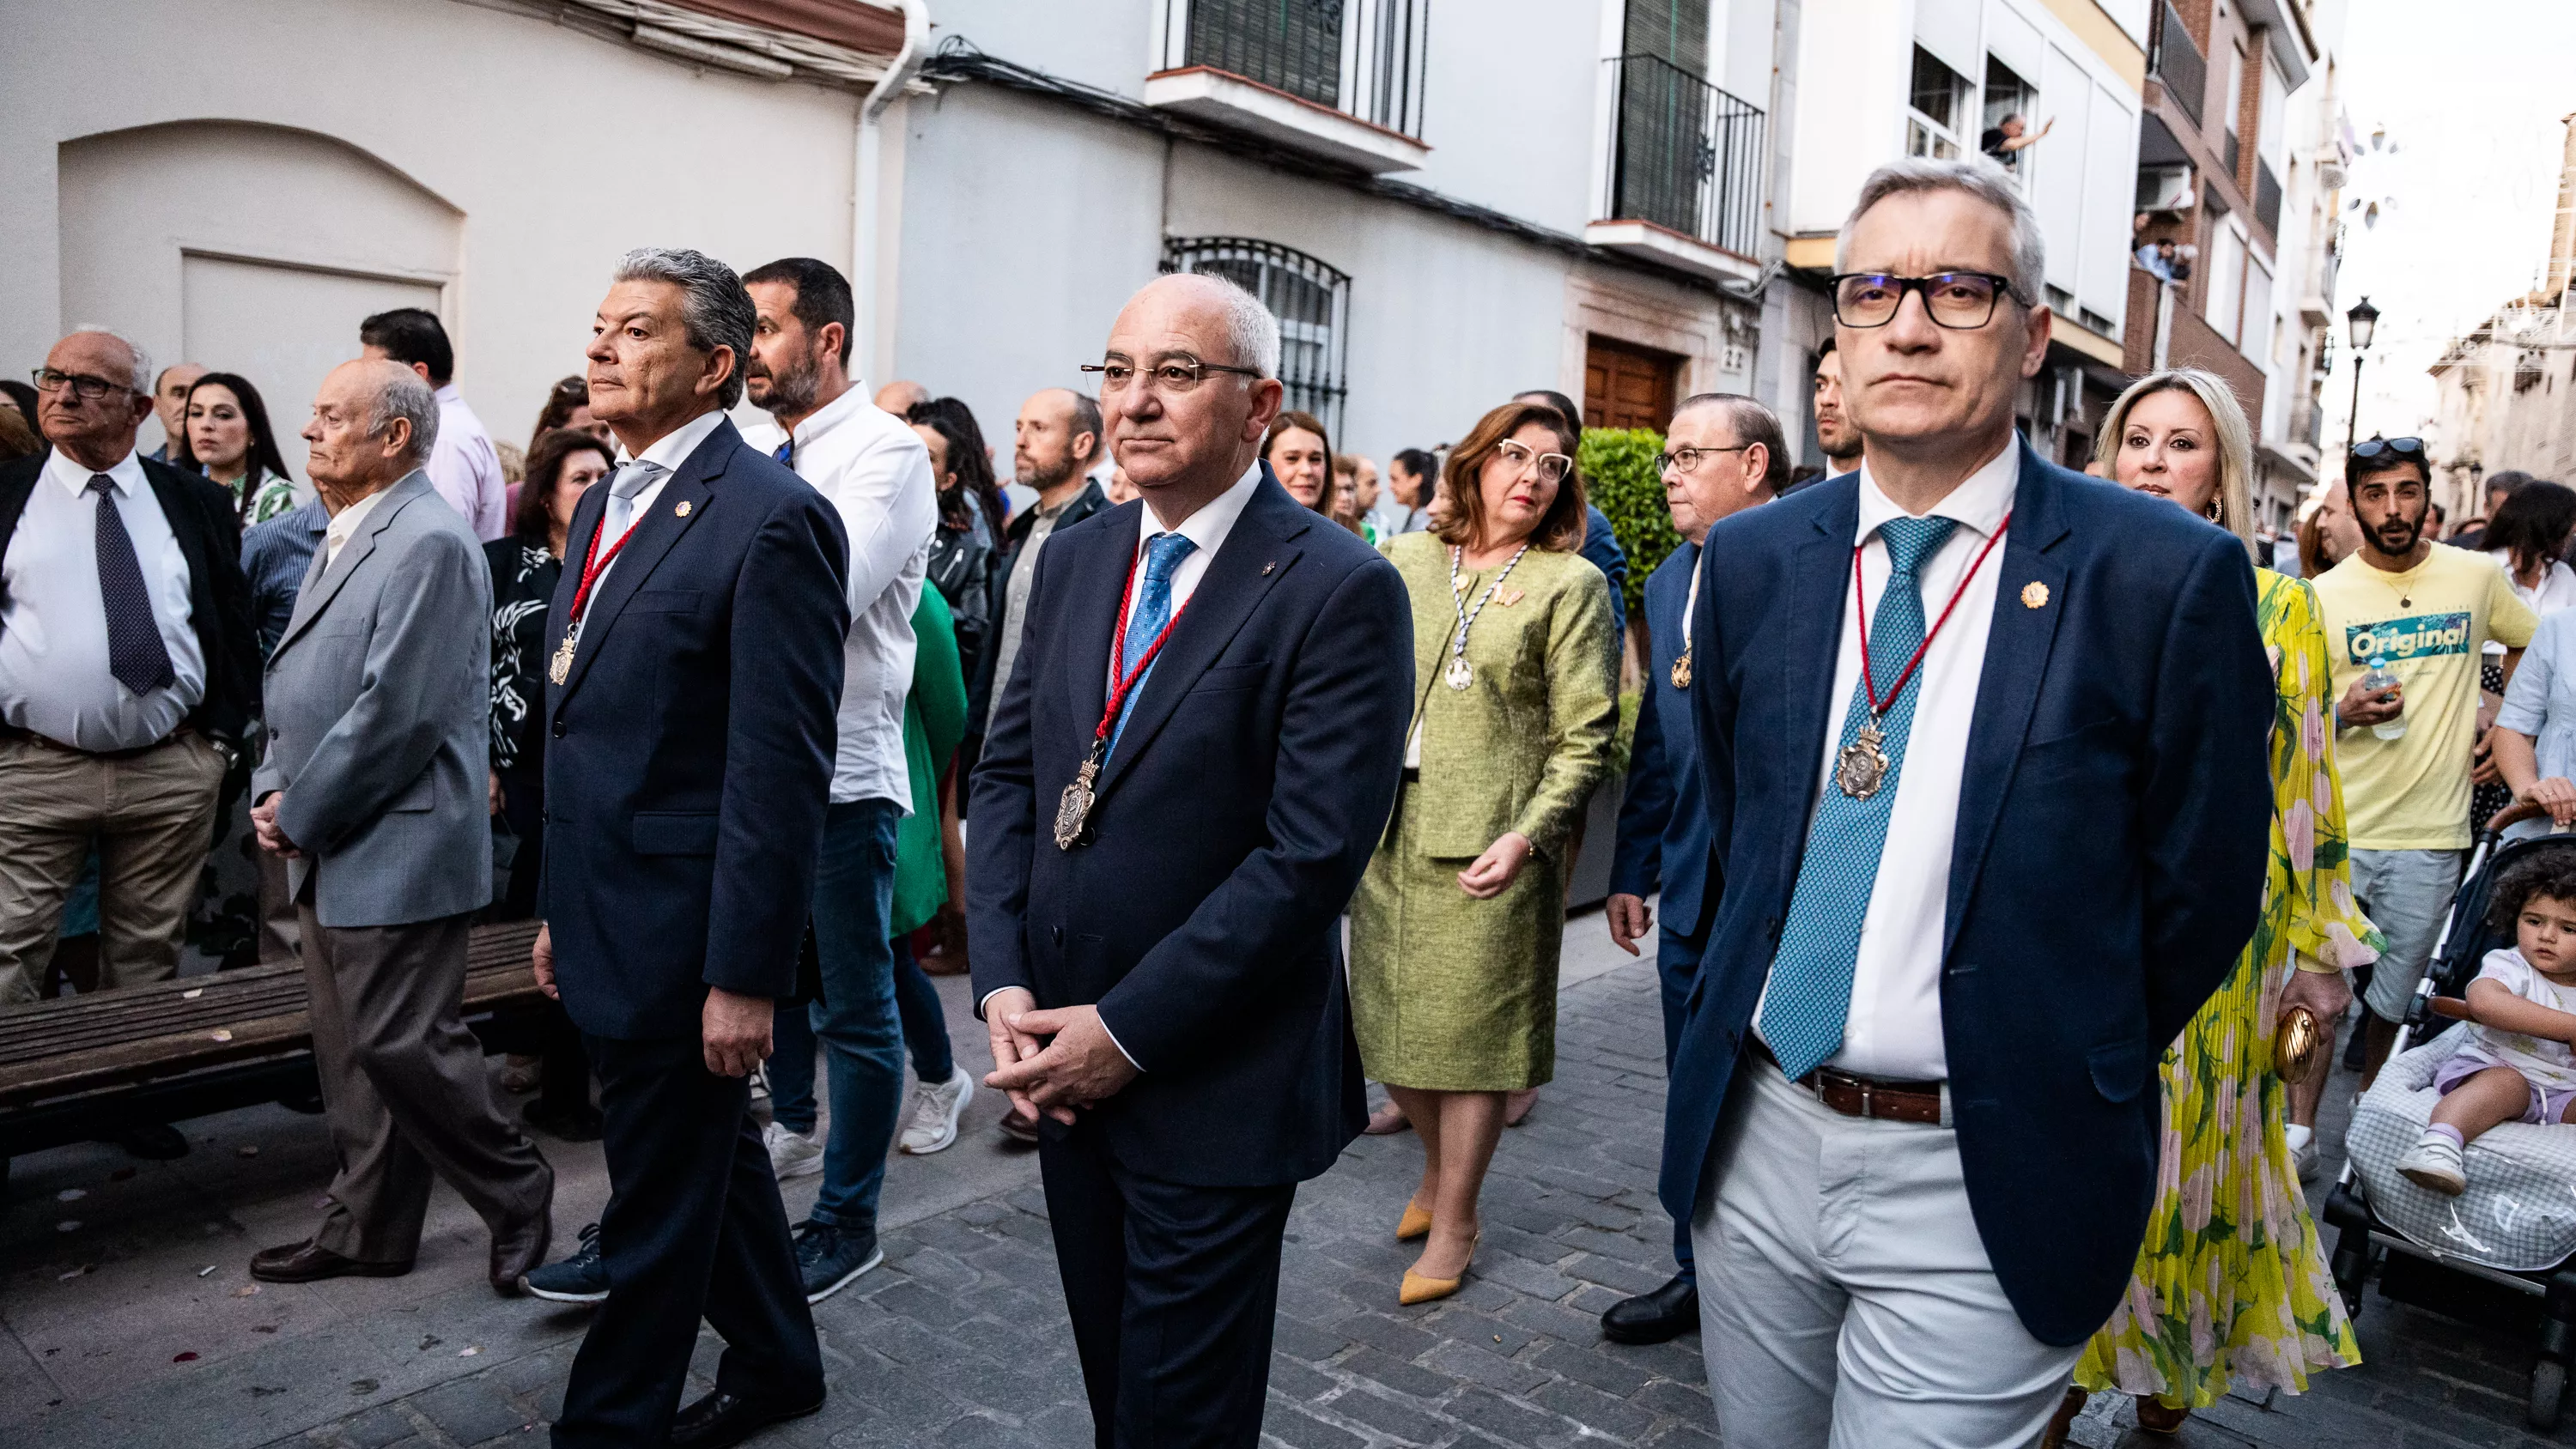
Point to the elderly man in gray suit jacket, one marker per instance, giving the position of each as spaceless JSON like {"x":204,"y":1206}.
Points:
{"x":373,"y":788}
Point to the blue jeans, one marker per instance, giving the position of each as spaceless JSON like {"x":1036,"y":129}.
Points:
{"x":856,"y":1020}
{"x":1677,"y":970}
{"x":925,"y":1021}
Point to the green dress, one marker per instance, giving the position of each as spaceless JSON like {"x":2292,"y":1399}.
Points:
{"x":934,"y":720}
{"x":2231,"y":1287}
{"x":1448,"y":992}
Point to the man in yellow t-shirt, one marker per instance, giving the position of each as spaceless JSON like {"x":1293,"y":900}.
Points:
{"x":2426,"y":611}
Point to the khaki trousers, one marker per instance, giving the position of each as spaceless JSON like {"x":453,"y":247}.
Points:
{"x":152,"y":817}
{"x":403,"y":1088}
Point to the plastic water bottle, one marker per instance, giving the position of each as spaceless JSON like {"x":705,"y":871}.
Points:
{"x":2378,"y":680}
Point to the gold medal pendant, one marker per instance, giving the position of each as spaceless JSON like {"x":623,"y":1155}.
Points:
{"x":561,"y":668}
{"x":1073,"y":810}
{"x":1682,"y":670}
{"x":1862,"y":766}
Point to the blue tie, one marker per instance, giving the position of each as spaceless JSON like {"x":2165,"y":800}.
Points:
{"x":1153,"y":610}
{"x":785,"y":452}
{"x":1809,"y":998}
{"x":135,"y":654}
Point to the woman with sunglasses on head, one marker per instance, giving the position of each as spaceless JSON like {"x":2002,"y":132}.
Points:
{"x":2231,"y":1287}
{"x":227,"y":437}
{"x":1457,"y":924}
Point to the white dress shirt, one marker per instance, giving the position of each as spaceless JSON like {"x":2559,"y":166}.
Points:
{"x":344,"y":526}
{"x":1894,"y":1029}
{"x":1208,"y":528}
{"x":874,"y":469}
{"x":54,"y":677}
{"x":466,"y":470}
{"x":668,"y":451}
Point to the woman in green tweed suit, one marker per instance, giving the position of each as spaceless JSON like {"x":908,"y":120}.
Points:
{"x":1457,"y":924}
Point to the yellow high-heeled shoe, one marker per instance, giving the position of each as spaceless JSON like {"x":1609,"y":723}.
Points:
{"x":1418,"y":1289}
{"x":1415,"y":1223}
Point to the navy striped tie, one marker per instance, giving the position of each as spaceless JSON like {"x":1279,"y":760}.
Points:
{"x":135,"y":653}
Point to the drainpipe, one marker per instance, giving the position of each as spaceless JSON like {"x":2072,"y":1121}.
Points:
{"x":869,"y":252}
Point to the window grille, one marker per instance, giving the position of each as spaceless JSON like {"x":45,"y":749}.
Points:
{"x":1311,"y":300}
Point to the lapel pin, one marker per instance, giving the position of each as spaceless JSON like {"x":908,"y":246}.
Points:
{"x":2034,"y":595}
{"x":1266,"y":568}
{"x":682,"y":511}
{"x":1508,"y":597}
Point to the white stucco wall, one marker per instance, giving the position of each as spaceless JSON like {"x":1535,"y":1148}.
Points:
{"x":555,"y":149}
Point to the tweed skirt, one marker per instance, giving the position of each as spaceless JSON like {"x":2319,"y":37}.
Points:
{"x":1450,"y":993}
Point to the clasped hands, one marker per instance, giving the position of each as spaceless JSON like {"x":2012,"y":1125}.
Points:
{"x":1055,"y":1061}
{"x":263,"y":823}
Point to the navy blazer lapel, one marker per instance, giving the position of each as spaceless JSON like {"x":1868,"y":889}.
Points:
{"x":1256,"y":556}
{"x":682,"y":501}
{"x":1091,"y":619}
{"x":1819,"y":590}
{"x":2017,"y":649}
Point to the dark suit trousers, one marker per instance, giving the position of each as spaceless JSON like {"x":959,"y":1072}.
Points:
{"x":1677,"y":971}
{"x":403,"y":1088}
{"x":1172,"y":1290}
{"x":694,"y":1228}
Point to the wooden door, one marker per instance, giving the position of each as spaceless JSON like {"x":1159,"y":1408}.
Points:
{"x":1625,"y":386}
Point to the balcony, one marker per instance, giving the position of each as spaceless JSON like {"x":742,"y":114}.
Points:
{"x":1338,"y":80}
{"x":1684,"y":180}
{"x":2267,"y":196}
{"x":2178,"y":63}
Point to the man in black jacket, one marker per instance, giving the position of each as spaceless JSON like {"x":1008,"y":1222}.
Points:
{"x":127,"y":667}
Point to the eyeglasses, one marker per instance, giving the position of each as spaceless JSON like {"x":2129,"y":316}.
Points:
{"x":1959,"y":301}
{"x":82,"y":385}
{"x":1687,"y":459}
{"x":2408,"y":448}
{"x":1552,"y":467}
{"x":1172,"y":374}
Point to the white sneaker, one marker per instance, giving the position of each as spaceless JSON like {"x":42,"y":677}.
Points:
{"x":792,"y":1154}
{"x":2434,"y":1162}
{"x":932,"y":1123}
{"x":2303,"y":1152}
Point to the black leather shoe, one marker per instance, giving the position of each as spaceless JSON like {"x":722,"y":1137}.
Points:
{"x":722,"y":1420}
{"x":520,"y":1248}
{"x":1657,"y":1317}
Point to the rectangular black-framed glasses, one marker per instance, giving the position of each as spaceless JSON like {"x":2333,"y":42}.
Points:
{"x":1960,"y":301}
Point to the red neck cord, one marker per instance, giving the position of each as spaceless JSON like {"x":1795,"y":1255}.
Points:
{"x":593,"y":562}
{"x":1126,"y":683}
{"x":1869,"y":681}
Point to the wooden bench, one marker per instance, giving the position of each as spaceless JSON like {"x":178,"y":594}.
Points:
{"x":81,"y":1067}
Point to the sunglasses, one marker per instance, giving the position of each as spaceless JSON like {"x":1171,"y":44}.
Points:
{"x":2412,"y":448}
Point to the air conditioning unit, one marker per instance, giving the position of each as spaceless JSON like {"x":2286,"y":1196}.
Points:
{"x":2164,"y":188}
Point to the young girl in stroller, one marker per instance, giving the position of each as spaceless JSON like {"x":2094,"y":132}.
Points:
{"x":2517,"y":1063}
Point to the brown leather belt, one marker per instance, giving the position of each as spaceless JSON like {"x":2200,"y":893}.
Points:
{"x":1917,"y":1102}
{"x":48,"y":742}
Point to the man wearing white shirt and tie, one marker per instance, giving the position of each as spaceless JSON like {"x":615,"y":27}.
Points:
{"x":876,"y":472}
{"x":1982,"y":744}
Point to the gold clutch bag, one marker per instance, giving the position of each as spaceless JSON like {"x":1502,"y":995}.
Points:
{"x":2302,"y":1048}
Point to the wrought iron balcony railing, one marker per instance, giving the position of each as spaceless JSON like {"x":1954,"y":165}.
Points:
{"x":1684,"y":155}
{"x":1363,"y":58}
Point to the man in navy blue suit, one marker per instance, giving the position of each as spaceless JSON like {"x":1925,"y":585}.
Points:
{"x":1976,"y":870}
{"x":1723,"y":453}
{"x":1180,"y":788}
{"x":693,"y":667}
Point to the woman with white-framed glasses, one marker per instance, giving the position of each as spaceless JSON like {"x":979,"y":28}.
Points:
{"x":1457,"y":925}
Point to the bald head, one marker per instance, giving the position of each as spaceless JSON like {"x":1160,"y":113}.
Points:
{"x":373,"y":422}
{"x":901,"y":396}
{"x":1185,"y":434}
{"x":1214,"y":307}
{"x":96,"y":431}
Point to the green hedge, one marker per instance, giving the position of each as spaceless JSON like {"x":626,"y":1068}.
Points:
{"x":1619,"y":472}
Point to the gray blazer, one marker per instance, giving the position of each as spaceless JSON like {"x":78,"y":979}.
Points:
{"x":378,"y":719}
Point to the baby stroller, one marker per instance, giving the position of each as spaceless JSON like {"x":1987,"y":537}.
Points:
{"x":2502,"y":1253}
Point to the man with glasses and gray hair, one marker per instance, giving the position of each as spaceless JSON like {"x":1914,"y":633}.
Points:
{"x":1181,"y":786}
{"x":128,"y":671}
{"x":1912,"y":1117}
{"x":377,"y":721}
{"x":693,"y":679}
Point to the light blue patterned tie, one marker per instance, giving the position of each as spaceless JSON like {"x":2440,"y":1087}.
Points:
{"x":1809,"y":998}
{"x":1153,"y":610}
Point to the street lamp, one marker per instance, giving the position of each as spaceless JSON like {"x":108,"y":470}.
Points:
{"x":2364,"y":320}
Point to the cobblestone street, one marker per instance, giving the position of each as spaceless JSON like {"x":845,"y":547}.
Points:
{"x":959,"y":1339}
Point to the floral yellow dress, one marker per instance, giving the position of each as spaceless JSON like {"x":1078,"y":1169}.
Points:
{"x":2231,"y":1285}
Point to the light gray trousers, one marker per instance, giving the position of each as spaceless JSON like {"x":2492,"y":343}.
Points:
{"x":1845,"y":1299}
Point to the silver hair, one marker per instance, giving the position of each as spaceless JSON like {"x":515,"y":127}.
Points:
{"x":1250,"y":331}
{"x":403,"y":395}
{"x":1980,"y":178}
{"x":715,"y":311}
{"x":142,"y":359}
